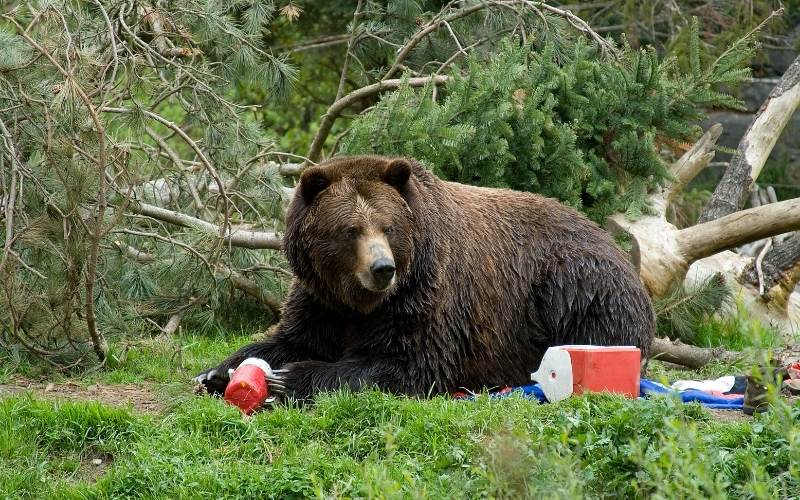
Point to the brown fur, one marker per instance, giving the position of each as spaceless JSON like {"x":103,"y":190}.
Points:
{"x":486,"y":280}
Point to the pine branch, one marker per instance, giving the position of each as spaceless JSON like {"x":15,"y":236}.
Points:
{"x":98,"y":340}
{"x":430,"y":27}
{"x":196,"y":148}
{"x":220,"y":270}
{"x":333,"y":112}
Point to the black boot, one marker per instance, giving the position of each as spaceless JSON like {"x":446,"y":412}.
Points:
{"x":756,"y":396}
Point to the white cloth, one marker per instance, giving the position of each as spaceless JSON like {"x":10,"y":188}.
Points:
{"x":722,"y":384}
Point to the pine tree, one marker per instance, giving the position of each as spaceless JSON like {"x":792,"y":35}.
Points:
{"x":112,"y":107}
{"x":557,"y":120}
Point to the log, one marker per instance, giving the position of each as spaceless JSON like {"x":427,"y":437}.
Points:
{"x":663,"y":253}
{"x":675,"y":351}
{"x":737,"y":228}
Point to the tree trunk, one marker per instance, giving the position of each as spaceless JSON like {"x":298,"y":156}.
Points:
{"x":756,"y":146}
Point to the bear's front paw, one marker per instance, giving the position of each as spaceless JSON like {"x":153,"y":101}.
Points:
{"x":214,"y":380}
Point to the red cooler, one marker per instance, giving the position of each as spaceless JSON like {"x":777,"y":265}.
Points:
{"x":605,"y":369}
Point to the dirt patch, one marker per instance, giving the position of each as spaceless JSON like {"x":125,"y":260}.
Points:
{"x":730,"y":415}
{"x":93,"y":467}
{"x":140,"y":397}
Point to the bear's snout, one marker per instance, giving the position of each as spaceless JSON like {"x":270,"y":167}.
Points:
{"x":382,"y":272}
{"x":376,"y":268}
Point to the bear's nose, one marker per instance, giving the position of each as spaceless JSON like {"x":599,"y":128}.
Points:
{"x":382,"y":271}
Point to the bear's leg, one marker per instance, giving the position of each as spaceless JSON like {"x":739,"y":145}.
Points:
{"x":306,"y":331}
{"x":275,"y":351}
{"x":302,"y":380}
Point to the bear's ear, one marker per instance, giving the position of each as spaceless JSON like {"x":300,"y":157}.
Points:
{"x":397,"y":173}
{"x":312,"y":182}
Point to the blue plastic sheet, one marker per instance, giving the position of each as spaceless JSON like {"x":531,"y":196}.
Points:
{"x":646,"y":389}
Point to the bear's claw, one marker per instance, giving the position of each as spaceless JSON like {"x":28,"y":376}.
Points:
{"x":277,"y":382}
{"x":215,"y":381}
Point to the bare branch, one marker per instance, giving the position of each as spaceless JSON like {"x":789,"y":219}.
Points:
{"x":315,"y":151}
{"x":430,"y":27}
{"x":250,"y":287}
{"x":686,"y":169}
{"x":10,"y":198}
{"x":675,"y":351}
{"x":233,"y":236}
{"x":737,"y":228}
{"x":134,"y":253}
{"x":350,"y":43}
{"x":578,"y":24}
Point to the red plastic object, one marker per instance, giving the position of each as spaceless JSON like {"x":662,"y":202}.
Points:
{"x":248,"y":388}
{"x":605,"y":369}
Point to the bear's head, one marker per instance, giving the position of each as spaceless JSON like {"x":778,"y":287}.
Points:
{"x":350,"y":230}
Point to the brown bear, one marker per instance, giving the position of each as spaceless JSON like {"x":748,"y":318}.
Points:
{"x":419,"y":286}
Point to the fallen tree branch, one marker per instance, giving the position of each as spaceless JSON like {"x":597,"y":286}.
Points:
{"x":662,"y":253}
{"x":708,"y":238}
{"x":755,"y":146}
{"x":675,"y":351}
{"x":220,"y":270}
{"x":134,"y":254}
{"x":686,"y":168}
{"x":256,"y":240}
{"x":248,"y":286}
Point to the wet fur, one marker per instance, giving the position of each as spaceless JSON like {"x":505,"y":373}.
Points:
{"x":487,"y":280}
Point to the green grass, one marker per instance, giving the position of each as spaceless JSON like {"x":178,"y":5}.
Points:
{"x":371,"y":444}
{"x":737,"y":330}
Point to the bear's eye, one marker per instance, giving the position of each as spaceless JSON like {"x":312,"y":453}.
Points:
{"x":351,"y":233}
{"x":388,"y":230}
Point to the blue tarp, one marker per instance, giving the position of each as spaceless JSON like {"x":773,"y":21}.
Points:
{"x":646,"y":389}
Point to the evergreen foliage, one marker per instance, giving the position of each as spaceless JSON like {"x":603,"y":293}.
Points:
{"x":159,"y":79}
{"x":682,"y":310}
{"x":560,"y":121}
